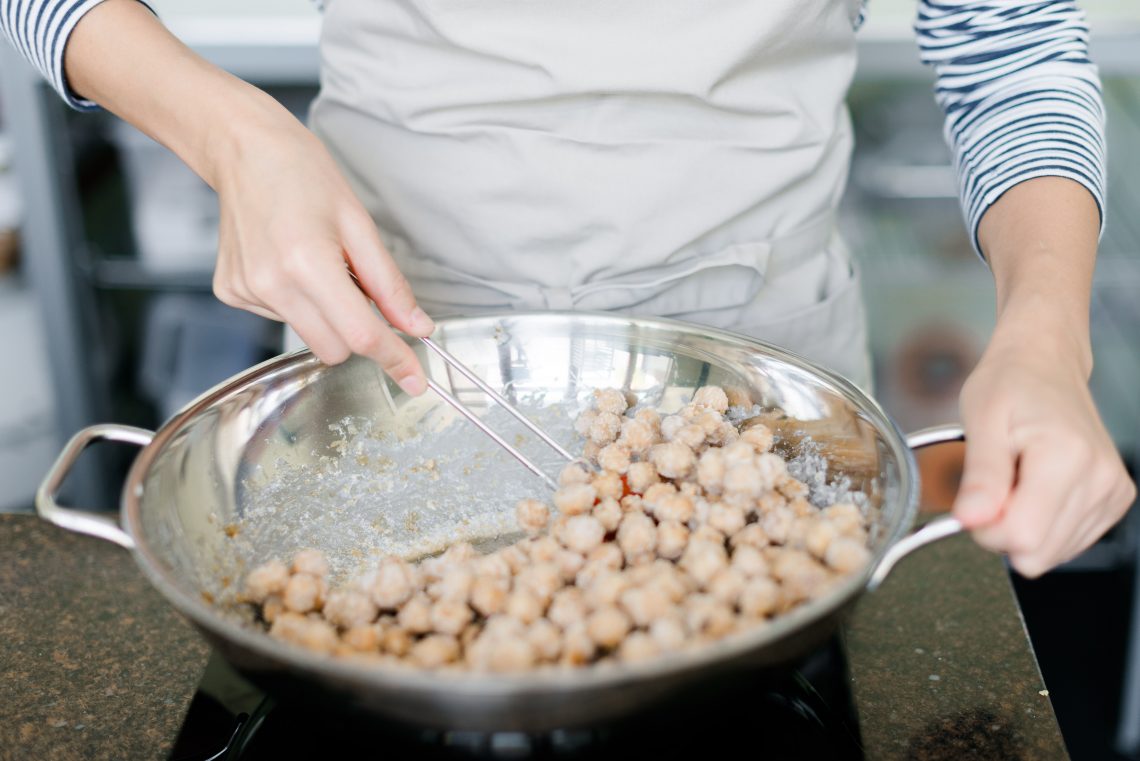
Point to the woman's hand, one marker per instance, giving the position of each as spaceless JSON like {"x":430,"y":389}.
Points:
{"x":1042,"y":478}
{"x":290,"y":229}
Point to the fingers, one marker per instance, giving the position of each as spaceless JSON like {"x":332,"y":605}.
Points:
{"x":362,"y":330}
{"x":380,"y":278}
{"x":320,"y":336}
{"x":989,"y":469}
{"x":1061,"y":505}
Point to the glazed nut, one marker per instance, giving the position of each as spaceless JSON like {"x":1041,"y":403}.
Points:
{"x":670,"y":424}
{"x":702,"y":560}
{"x":726,"y":585}
{"x":567,"y":607}
{"x":847,"y":555}
{"x":777,"y":524}
{"x":728,"y":519}
{"x":569,"y":564}
{"x":543,"y":549}
{"x":585,"y":421}
{"x":574,"y":473}
{"x":673,"y":459}
{"x":711,"y":470}
{"x":668,"y":633}
{"x":792,"y":488}
{"x":524,"y":606}
{"x":641,"y":476}
{"x":312,"y":562}
{"x":637,"y":436}
{"x":637,"y":647}
{"x":758,"y":436}
{"x":512,"y":655}
{"x":614,"y":457}
{"x":650,"y":417}
{"x":674,"y":507}
{"x":415,"y":614}
{"x":751,"y":535}
{"x":656,"y":493}
{"x":273,"y":607}
{"x":455,"y":584}
{"x":583,"y":533}
{"x":759,"y":597}
{"x":575,"y":499}
{"x":605,"y":589}
{"x":610,"y":400}
{"x":605,"y":428}
{"x":578,"y":647}
{"x":396,"y":641}
{"x":712,"y":397}
{"x":745,"y":478}
{"x":607,"y":626}
{"x":608,"y":484}
{"x":449,"y":616}
{"x":303,"y":593}
{"x":392,"y":584}
{"x":609,"y":513}
{"x":637,"y":535}
{"x":349,"y":608}
{"x":364,"y":639}
{"x":489,"y":594}
{"x":265,"y":580}
{"x":532,"y":516}
{"x":645,"y":604}
{"x":541,"y":579}
{"x":672,"y":539}
{"x":434,"y":651}
{"x":546,"y":639}
{"x":312,"y":633}
{"x":691,"y":435}
{"x":749,"y":561}
{"x":819,"y":536}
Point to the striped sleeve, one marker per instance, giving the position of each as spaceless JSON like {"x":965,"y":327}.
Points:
{"x":39,"y":30}
{"x":1021,"y":97}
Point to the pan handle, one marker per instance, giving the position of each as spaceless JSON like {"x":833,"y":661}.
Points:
{"x":940,"y":528}
{"x":81,"y":521}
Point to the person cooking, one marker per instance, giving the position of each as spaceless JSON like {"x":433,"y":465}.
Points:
{"x":680,"y":158}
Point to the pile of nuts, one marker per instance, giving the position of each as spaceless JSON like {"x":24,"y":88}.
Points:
{"x":672,"y":532}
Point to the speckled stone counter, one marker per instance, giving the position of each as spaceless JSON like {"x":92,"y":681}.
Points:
{"x":94,"y":664}
{"x":942,"y":667}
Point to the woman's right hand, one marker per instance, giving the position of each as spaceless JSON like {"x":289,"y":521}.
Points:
{"x":291,"y":228}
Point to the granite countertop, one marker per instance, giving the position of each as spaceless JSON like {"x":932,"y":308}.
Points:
{"x":96,"y":665}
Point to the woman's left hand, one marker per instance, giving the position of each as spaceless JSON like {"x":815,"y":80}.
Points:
{"x":1042,"y":478}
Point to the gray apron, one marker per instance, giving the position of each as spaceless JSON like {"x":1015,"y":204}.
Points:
{"x":678,"y":158}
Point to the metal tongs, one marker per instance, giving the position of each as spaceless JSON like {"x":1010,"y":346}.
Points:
{"x":463,"y":410}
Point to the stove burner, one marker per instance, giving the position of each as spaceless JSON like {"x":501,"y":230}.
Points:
{"x":810,"y":716}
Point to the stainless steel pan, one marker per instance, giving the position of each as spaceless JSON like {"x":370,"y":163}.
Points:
{"x":292,"y":454}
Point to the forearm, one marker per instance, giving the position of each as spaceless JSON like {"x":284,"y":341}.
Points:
{"x":1040,"y":238}
{"x":121,"y":57}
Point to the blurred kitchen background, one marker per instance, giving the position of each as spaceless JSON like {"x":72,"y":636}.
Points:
{"x":107,"y":245}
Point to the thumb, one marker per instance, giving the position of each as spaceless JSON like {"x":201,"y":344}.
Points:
{"x":987,"y":476}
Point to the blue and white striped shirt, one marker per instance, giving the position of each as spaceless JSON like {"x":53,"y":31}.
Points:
{"x":1021,"y":97}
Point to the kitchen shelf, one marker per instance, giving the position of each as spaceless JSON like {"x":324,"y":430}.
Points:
{"x":121,"y":273}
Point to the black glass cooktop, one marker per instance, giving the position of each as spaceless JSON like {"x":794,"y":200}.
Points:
{"x":806,"y":715}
